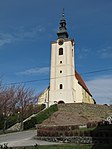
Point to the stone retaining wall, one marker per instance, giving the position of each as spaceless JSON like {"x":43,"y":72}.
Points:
{"x":78,"y":140}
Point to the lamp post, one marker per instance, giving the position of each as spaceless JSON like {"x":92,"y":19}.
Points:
{"x":18,"y":117}
{"x":5,"y":122}
{"x":21,"y":120}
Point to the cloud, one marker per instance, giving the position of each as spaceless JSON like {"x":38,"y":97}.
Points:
{"x":20,"y":34}
{"x":101,"y":89}
{"x":6,"y":38}
{"x":105,"y":52}
{"x":83,"y":52}
{"x":43,"y":70}
{"x":29,"y":33}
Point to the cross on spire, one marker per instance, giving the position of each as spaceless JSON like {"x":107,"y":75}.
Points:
{"x":63,"y":13}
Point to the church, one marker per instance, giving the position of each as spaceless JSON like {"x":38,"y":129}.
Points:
{"x":66,"y":84}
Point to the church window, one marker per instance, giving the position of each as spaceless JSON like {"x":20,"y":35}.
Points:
{"x":60,"y":71}
{"x":61,"y":86}
{"x":60,"y":51}
{"x":60,"y":62}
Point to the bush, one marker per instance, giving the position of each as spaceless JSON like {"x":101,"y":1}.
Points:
{"x":30,"y":123}
{"x":11,"y":120}
{"x":1,"y":122}
{"x":92,"y":124}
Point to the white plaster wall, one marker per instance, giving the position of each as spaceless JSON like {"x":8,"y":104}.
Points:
{"x":78,"y":93}
{"x":78,"y":90}
{"x":44,"y":97}
{"x":67,"y":75}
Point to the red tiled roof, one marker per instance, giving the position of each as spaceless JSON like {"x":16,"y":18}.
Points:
{"x":81,"y":82}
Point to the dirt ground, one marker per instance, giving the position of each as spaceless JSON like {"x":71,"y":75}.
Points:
{"x":78,"y":114}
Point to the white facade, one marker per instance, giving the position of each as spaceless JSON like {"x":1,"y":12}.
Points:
{"x":44,"y":97}
{"x":62,"y":73}
{"x":62,"y":79}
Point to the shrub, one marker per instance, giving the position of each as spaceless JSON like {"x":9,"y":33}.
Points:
{"x":1,"y":122}
{"x":74,"y":127}
{"x":86,"y":133}
{"x":66,"y":133}
{"x":76,"y":133}
{"x":81,"y":133}
{"x":30,"y":123}
{"x":11,"y":120}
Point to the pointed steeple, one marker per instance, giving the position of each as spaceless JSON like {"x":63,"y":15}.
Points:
{"x":62,"y":32}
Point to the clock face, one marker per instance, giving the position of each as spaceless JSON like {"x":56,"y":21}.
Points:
{"x":60,"y":42}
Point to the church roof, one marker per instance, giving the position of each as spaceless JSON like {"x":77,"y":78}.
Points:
{"x":62,"y":32}
{"x":81,"y":82}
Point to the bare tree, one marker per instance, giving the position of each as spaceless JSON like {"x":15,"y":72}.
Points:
{"x":24,"y":97}
{"x":2,"y":98}
{"x":7,"y":100}
{"x":13,"y":98}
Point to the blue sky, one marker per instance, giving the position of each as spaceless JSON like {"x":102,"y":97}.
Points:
{"x":27,"y":28}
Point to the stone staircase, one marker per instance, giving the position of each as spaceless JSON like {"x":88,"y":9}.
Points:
{"x":18,"y":126}
{"x":15,"y":127}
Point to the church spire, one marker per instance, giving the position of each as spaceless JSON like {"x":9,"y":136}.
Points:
{"x":62,"y":32}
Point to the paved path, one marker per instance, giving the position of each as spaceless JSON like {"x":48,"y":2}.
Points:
{"x":24,"y":138}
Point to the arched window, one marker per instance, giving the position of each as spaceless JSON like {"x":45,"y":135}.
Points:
{"x":60,"y":51}
{"x":61,"y":86}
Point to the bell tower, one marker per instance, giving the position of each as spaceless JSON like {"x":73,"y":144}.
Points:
{"x":62,"y":78}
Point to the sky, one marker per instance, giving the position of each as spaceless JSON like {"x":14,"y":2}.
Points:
{"x":27,"y":28}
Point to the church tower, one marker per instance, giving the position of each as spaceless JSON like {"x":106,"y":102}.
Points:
{"x":62,"y":78}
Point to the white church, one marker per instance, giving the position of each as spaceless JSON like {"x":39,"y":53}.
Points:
{"x":66,"y":84}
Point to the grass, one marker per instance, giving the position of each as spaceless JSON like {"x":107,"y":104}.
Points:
{"x":69,"y":146}
{"x":46,"y":113}
{"x":64,"y":146}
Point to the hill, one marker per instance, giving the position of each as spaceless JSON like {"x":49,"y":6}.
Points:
{"x":78,"y":114}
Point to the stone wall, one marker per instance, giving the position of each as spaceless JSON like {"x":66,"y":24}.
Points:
{"x":78,"y":139}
